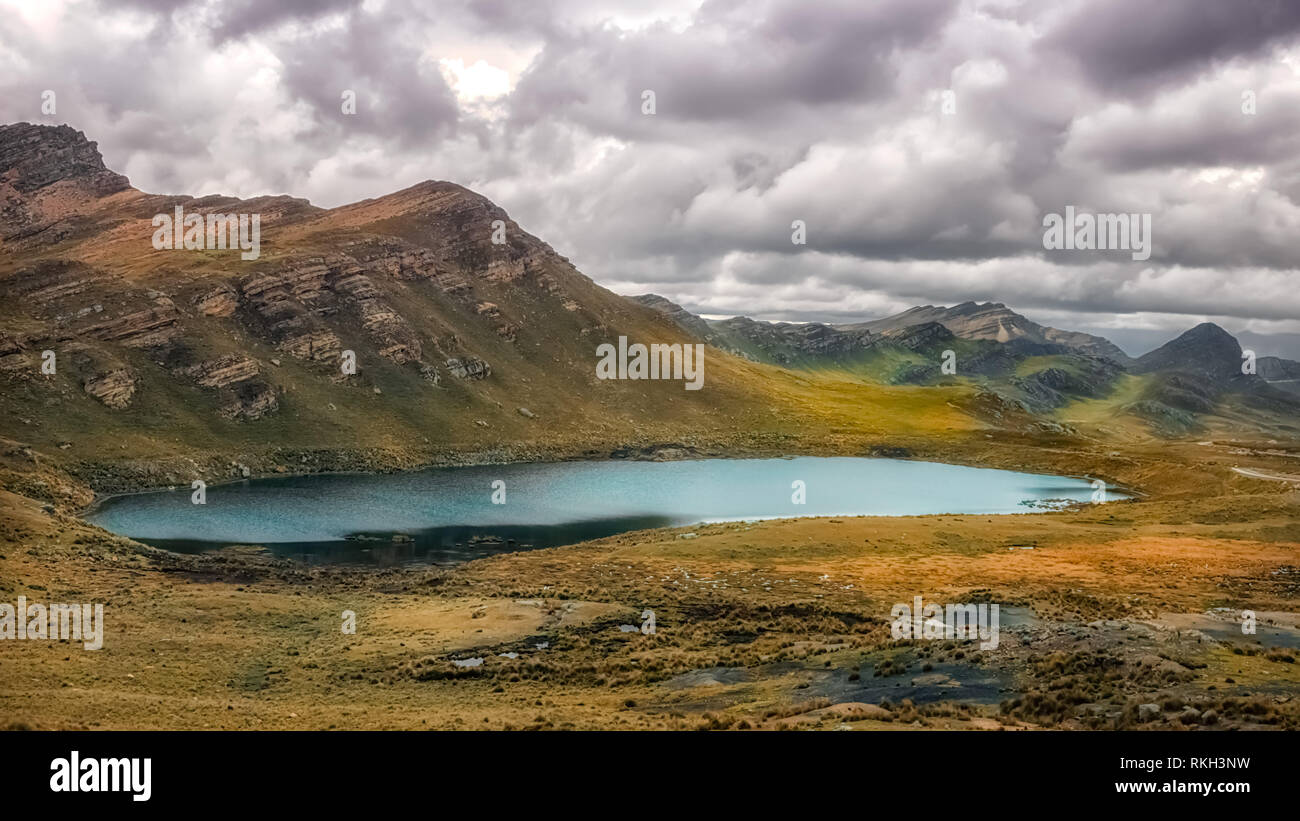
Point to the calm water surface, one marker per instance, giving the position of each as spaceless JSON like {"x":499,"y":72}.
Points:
{"x":446,"y":515}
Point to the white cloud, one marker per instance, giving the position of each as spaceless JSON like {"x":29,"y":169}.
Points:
{"x":768,"y":111}
{"x":477,"y":81}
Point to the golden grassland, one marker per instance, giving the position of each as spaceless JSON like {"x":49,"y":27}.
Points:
{"x":774,"y":624}
{"x":777,"y":623}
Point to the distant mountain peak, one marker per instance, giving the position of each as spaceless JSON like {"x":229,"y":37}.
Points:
{"x":1206,"y":350}
{"x":1208,"y":330}
{"x":994,"y":321}
{"x":684,"y":318}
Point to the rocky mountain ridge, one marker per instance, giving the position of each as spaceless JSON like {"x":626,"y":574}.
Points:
{"x":1038,"y":367}
{"x":994,"y":321}
{"x":394,"y":318}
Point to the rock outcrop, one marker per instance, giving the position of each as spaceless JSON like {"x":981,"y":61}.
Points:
{"x":468,"y":367}
{"x":34,"y":156}
{"x":391,"y":334}
{"x":250,"y":400}
{"x":147,"y":328}
{"x":12,"y":360}
{"x":220,"y":301}
{"x":114,"y":389}
{"x":918,"y":337}
{"x":222,"y":371}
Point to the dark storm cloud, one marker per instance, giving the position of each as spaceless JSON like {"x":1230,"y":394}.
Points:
{"x":238,"y":18}
{"x":745,"y":62}
{"x":400,"y":95}
{"x":1205,"y":131}
{"x":250,"y":16}
{"x":1128,"y":46}
{"x":542,"y":17}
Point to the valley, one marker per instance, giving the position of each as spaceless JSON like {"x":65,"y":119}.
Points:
{"x":178,"y":366}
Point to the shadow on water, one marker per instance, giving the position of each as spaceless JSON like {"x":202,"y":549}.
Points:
{"x":435,"y":545}
{"x":453,"y":514}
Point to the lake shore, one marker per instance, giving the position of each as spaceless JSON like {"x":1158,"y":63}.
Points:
{"x":557,"y":503}
{"x":775,"y":623}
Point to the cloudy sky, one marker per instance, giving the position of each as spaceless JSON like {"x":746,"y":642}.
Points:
{"x":920,"y":141}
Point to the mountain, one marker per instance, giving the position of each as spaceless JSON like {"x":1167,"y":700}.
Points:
{"x":697,"y":326}
{"x":1042,"y":370}
{"x":787,"y":344}
{"x":37,"y":156}
{"x":925,"y":331}
{"x":460,"y":343}
{"x":911,"y":351}
{"x":1276,"y":369}
{"x":120,"y":359}
{"x":1207,"y":351}
{"x":1198,"y":373}
{"x":1283,"y":374}
{"x":994,"y":321}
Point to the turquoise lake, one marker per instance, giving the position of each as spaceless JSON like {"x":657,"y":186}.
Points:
{"x":447,"y":515}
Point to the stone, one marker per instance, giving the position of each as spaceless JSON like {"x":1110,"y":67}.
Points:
{"x":37,"y":156}
{"x":468,"y":367}
{"x":12,"y":359}
{"x":317,"y":345}
{"x":222,"y":371}
{"x":149,"y":328}
{"x":220,"y":301}
{"x":114,"y":388}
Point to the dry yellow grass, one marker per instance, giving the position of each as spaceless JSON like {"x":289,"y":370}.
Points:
{"x":242,"y":644}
